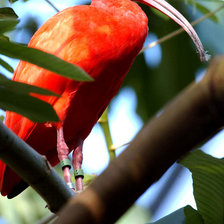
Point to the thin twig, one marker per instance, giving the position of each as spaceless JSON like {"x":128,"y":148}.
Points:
{"x":52,"y":5}
{"x":179,"y":31}
{"x":104,"y":124}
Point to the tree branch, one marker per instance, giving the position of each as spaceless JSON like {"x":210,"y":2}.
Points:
{"x":52,"y":5}
{"x":192,"y":117}
{"x":33,"y":168}
{"x":104,"y":124}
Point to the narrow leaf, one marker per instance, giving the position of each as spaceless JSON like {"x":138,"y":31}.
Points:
{"x":24,"y":88}
{"x":16,"y":97}
{"x":7,"y":12}
{"x":6,"y":66}
{"x":8,"y":19}
{"x":28,"y":106}
{"x":2,"y":118}
{"x":42,"y":59}
{"x":204,"y":11}
{"x":192,"y":216}
{"x":208,"y":176}
{"x":185,"y":215}
{"x":3,"y":37}
{"x":7,"y":24}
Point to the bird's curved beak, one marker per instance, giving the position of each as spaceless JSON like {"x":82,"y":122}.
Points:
{"x":170,"y":11}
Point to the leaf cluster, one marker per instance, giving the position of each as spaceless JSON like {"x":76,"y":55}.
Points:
{"x":208,"y":175}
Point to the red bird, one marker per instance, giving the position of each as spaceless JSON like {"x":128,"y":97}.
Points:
{"x":103,"y":38}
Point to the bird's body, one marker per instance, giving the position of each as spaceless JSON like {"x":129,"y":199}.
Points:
{"x":103,"y":39}
{"x":105,"y":48}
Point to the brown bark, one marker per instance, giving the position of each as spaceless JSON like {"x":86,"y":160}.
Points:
{"x":34,"y":169}
{"x":191,"y":118}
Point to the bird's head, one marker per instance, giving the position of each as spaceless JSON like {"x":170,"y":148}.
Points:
{"x":124,"y":7}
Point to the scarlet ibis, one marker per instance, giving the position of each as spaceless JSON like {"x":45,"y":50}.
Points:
{"x":103,"y":38}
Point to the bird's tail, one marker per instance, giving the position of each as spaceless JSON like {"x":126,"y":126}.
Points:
{"x":2,"y":175}
{"x":10,"y":183}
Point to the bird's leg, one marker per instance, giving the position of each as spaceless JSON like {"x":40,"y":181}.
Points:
{"x":77,"y":166}
{"x":63,"y":152}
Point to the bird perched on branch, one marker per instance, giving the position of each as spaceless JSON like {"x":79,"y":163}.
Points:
{"x":103,"y":39}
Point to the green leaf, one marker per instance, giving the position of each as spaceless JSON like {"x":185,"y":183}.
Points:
{"x":2,"y":118}
{"x":6,"y":66}
{"x":43,"y":59}
{"x":204,"y":11}
{"x":8,"y":12}
{"x":192,"y":216}
{"x":15,"y":96}
{"x":208,"y":183}
{"x":7,"y":24}
{"x":8,"y":19}
{"x":12,"y":1}
{"x":3,"y":37}
{"x":185,"y":215}
{"x":24,"y":88}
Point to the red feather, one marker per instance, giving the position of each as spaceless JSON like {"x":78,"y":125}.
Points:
{"x":105,"y":47}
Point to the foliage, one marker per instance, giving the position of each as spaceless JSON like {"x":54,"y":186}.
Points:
{"x":15,"y":96}
{"x":42,"y":59}
{"x":185,"y":215}
{"x":208,"y":175}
